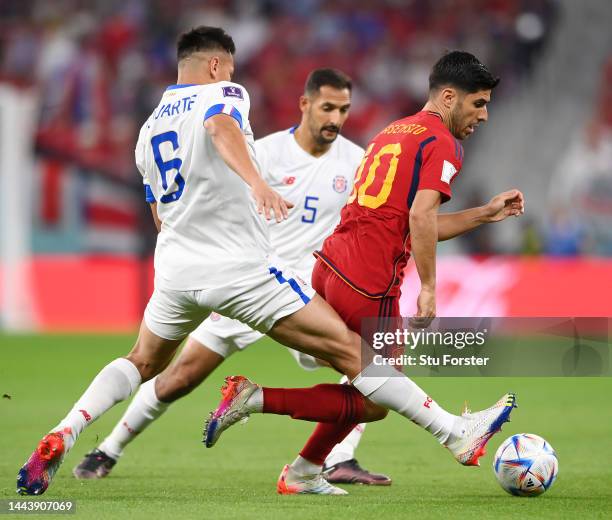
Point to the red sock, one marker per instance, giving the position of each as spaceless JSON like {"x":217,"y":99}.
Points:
{"x":321,"y":403}
{"x":323,"y":440}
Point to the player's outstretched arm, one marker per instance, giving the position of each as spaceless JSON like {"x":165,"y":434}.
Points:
{"x":231,"y":145}
{"x":423,"y":238}
{"x":510,"y":203}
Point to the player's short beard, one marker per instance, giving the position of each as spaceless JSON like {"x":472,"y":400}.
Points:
{"x":456,"y":120}
{"x":320,"y":140}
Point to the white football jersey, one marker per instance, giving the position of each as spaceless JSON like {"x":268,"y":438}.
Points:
{"x":210,"y":229}
{"x":317,"y":186}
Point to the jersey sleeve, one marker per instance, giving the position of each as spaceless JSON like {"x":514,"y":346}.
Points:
{"x":441,"y":164}
{"x":231,"y":99}
{"x":139,"y":154}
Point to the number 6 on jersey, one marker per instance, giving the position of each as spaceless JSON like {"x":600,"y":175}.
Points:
{"x":167,"y":166}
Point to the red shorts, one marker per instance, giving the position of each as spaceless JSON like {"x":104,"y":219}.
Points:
{"x":352,"y":306}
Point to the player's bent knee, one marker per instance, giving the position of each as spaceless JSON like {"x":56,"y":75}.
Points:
{"x":373,"y":412}
{"x":346,"y":364}
{"x":148,"y":369}
{"x":176,"y":382}
{"x":346,"y":354}
{"x":175,"y":388}
{"x":151,"y":354}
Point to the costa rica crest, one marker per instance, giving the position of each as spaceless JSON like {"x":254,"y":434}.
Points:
{"x":340,"y":184}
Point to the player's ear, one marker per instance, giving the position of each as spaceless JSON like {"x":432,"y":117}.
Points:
{"x":304,"y":102}
{"x":213,"y":67}
{"x":449,"y":96}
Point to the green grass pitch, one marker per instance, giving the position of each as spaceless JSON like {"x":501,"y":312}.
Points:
{"x":168,"y":473}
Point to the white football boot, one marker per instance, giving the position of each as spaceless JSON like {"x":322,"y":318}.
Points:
{"x":232,"y":408}
{"x":290,"y":483}
{"x":478,"y":428}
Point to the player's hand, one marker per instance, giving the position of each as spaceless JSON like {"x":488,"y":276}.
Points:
{"x":426,"y":308}
{"x":268,"y":200}
{"x":507,"y":204}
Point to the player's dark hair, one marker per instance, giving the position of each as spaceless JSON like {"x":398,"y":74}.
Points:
{"x":461,"y":70}
{"x":326,"y":77}
{"x":204,"y":39}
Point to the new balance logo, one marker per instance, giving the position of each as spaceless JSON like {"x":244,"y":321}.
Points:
{"x":288,"y":180}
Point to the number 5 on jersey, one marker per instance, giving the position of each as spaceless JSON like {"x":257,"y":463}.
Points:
{"x":165,"y":167}
{"x":310,"y":207}
{"x":361,"y":186}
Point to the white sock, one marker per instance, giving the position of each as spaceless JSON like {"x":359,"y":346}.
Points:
{"x":143,"y":410}
{"x":303,"y":467}
{"x":345,"y":450}
{"x":114,"y":383}
{"x":387,"y":387}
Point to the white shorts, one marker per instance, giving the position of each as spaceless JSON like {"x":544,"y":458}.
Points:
{"x":258,"y":299}
{"x":226,"y":336}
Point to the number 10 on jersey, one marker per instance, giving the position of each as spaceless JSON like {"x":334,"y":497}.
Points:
{"x":361,"y":186}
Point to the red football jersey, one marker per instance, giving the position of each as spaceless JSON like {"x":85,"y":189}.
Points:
{"x":370,"y":246}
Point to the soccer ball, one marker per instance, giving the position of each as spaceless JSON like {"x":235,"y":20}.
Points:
{"x":525,"y":465}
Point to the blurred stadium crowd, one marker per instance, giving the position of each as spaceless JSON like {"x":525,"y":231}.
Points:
{"x":99,"y":67}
